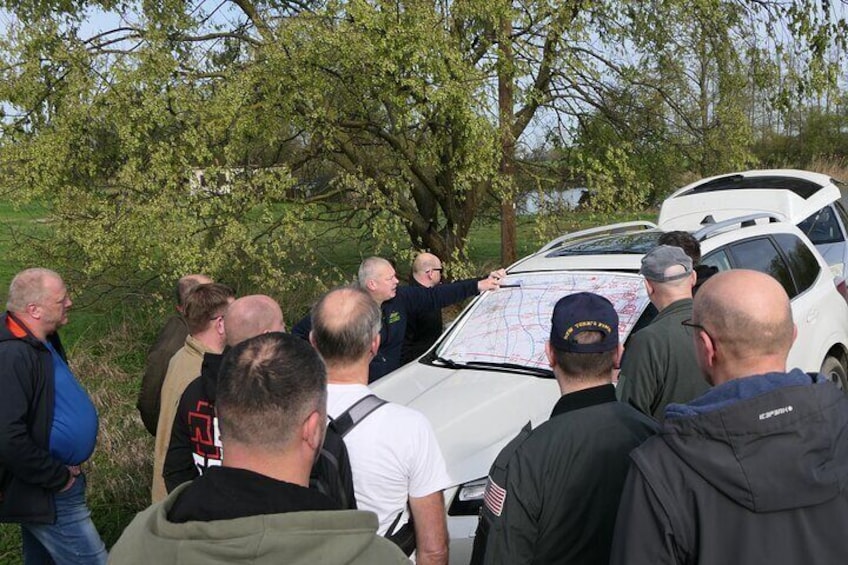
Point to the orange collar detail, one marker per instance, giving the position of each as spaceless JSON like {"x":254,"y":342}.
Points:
{"x":18,"y":329}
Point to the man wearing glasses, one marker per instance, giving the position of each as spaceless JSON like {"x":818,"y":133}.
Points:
{"x":754,"y":470}
{"x":659,"y":365}
{"x":204,"y":311}
{"x":423,"y":327}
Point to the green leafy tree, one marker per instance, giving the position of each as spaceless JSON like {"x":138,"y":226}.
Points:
{"x":413,"y":111}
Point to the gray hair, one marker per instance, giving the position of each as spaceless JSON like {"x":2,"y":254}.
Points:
{"x":28,"y":288}
{"x":368,"y":269}
{"x":344,"y":323}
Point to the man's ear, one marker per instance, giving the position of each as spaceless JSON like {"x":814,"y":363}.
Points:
{"x":375,"y":345}
{"x":709,"y":347}
{"x":312,"y":339}
{"x":313,"y":430}
{"x":649,"y":287}
{"x":618,"y":354}
{"x":549,"y":352}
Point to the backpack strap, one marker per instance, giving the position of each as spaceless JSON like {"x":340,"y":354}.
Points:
{"x":356,"y":413}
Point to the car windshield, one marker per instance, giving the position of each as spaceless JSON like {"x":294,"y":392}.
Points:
{"x":509,"y":327}
{"x":637,"y":243}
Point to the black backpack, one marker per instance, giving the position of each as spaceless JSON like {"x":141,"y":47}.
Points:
{"x":331,"y":474}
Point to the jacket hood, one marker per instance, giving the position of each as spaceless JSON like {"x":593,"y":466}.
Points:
{"x":295,"y":538}
{"x":783,"y":448}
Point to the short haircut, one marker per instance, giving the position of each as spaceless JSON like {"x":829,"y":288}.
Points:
{"x":28,"y":288}
{"x":586,"y":366}
{"x":368,"y":269}
{"x":186,"y":284}
{"x":267,"y":386}
{"x":424,"y":262}
{"x":344,"y":323}
{"x":205,"y":302}
{"x":742,"y":334}
{"x":685,"y":241}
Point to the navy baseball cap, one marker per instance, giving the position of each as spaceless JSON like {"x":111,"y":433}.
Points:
{"x":580,"y":312}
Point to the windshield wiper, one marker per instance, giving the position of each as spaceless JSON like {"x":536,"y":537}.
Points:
{"x":547,"y":373}
{"x":450,"y":363}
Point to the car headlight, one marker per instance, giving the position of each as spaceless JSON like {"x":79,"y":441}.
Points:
{"x":468,"y":498}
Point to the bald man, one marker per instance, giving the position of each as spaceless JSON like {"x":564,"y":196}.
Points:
{"x":424,"y":327}
{"x":195,"y":442}
{"x":170,"y":339}
{"x":756,"y":469}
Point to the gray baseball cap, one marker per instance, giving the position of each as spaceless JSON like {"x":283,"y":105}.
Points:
{"x":657,"y":261}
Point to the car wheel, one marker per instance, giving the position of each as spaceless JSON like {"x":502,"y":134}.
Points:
{"x":834,"y":370}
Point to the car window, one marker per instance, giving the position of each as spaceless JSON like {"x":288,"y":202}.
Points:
{"x":717,"y":259}
{"x":510,"y":326}
{"x":760,"y":254}
{"x":843,"y":215}
{"x":804,"y":265}
{"x":822,"y":227}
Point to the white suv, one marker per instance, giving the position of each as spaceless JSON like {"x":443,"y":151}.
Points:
{"x":811,"y":201}
{"x":487,"y":376}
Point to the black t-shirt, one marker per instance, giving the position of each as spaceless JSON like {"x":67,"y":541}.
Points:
{"x":227,"y":493}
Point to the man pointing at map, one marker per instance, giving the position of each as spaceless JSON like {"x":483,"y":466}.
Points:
{"x":377,"y":277}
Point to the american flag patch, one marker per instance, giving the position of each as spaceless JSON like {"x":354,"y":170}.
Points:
{"x":494,"y":497}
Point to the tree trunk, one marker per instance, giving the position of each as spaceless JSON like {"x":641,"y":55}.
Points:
{"x":506,"y":85}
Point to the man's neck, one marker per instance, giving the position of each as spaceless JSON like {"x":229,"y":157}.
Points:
{"x":568,"y":385}
{"x":663,"y":301}
{"x":748,"y":368}
{"x":30,"y":325}
{"x":280,"y":466}
{"x":348,"y":373}
{"x":211,"y":340}
{"x":421,"y":279}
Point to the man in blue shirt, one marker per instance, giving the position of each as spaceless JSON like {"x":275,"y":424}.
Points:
{"x":48,"y":427}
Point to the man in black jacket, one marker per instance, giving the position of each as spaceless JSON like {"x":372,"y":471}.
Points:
{"x":553,"y":492}
{"x":756,"y":469}
{"x":48,"y":427}
{"x":378,"y":278}
{"x":423,"y":327}
{"x":195,"y":441}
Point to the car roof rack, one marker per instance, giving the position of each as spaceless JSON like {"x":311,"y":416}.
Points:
{"x":746,"y":221}
{"x":601,"y":230}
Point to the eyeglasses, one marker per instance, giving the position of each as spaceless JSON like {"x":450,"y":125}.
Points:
{"x":439,"y":270}
{"x":219,"y":316}
{"x":690,"y":324}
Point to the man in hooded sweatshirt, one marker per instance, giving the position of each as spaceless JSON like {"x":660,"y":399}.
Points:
{"x":756,"y":469}
{"x":256,"y":507}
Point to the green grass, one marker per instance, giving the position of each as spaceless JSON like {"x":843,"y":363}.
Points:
{"x":107,"y":342}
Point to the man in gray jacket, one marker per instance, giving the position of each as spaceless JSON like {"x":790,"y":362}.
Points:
{"x":256,"y":507}
{"x":756,"y":469}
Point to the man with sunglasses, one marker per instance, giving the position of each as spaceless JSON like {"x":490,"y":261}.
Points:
{"x":659,"y":366}
{"x":756,"y":469}
{"x":423,"y":327}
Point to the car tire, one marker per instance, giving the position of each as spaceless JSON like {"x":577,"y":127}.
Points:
{"x":833,"y":369}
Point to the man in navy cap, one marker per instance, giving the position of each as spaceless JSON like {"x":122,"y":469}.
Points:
{"x":553,"y":492}
{"x":660,"y":366}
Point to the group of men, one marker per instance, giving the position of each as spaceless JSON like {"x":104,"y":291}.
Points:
{"x":707,"y":451}
{"x":665,"y":469}
{"x":360,"y":334}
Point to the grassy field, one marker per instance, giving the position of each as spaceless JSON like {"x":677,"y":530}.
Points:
{"x":107,"y":343}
